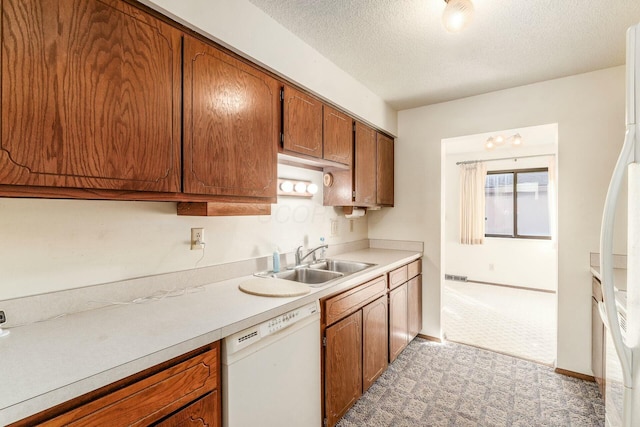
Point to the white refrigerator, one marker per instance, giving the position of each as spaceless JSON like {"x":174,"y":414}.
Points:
{"x":623,"y":378}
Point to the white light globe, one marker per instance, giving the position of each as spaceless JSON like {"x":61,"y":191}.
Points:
{"x":457,"y":15}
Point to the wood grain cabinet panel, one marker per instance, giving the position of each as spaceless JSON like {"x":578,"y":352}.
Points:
{"x":365,"y":165}
{"x":302,"y":120}
{"x":337,"y":136}
{"x":149,"y":399}
{"x":231,"y":116}
{"x":374,"y":341}
{"x":398,"y":276}
{"x":398,"y":339}
{"x":347,"y":302}
{"x":414,"y":268}
{"x":384,"y":170}
{"x":204,"y":412}
{"x":90,"y":96}
{"x":343,"y":366}
{"x":414,"y":307}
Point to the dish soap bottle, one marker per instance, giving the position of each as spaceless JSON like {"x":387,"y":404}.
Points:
{"x":276,"y":260}
{"x":323,"y":251}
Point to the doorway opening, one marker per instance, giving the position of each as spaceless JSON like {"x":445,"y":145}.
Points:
{"x":500,"y":292}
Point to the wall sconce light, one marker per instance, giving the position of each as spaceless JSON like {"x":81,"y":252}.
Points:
{"x":495,"y":141}
{"x":296,"y":188}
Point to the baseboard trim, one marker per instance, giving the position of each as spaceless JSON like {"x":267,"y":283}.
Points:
{"x":575,"y":375}
{"x":524,"y":288}
{"x":429,"y":338}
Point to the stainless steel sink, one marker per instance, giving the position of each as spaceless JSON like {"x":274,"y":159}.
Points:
{"x":345,"y":267}
{"x":319,"y":273}
{"x":309,"y":276}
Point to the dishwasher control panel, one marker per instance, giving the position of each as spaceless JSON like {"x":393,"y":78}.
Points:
{"x":251,"y":335}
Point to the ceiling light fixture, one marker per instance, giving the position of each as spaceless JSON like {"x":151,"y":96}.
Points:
{"x":495,"y":141}
{"x":457,"y":15}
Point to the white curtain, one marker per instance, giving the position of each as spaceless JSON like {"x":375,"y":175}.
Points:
{"x":472,"y":182}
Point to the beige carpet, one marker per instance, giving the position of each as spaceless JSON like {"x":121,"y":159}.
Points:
{"x":518,"y":322}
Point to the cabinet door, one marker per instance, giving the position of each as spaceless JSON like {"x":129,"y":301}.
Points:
{"x":231,"y":125}
{"x":397,"y":321}
{"x":203,"y":412}
{"x":374,"y":341}
{"x":365,"y":165}
{"x":343,"y":366}
{"x":414,"y":303}
{"x":384,"y":175}
{"x":302,"y":123}
{"x":90,"y":96}
{"x":338,"y":136}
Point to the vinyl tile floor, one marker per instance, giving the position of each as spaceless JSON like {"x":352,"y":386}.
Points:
{"x":516,"y":322}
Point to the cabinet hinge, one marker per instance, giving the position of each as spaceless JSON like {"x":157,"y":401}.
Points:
{"x":353,"y":194}
{"x":324,"y":341}
{"x":282,"y":94}
{"x":282,"y":138}
{"x":325,"y":422}
{"x":354,"y":127}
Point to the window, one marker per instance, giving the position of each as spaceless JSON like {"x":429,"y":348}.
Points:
{"x":517,"y":204}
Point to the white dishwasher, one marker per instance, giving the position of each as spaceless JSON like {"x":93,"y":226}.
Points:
{"x":271,"y":372}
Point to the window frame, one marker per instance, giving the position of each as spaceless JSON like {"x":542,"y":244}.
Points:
{"x":515,"y":173}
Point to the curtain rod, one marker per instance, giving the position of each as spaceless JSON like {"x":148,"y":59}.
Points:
{"x":466,"y":162}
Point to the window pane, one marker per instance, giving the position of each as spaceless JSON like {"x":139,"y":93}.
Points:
{"x":533,"y":204}
{"x":499,"y":204}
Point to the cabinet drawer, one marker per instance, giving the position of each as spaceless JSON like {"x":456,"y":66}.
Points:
{"x":335,"y":308}
{"x":414,"y":268}
{"x":149,"y":399}
{"x":397,"y":277}
{"x":205,"y":410}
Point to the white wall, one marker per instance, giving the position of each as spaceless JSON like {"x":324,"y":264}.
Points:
{"x":589,"y":110}
{"x":518,"y":262}
{"x":50,"y":245}
{"x":246,"y":29}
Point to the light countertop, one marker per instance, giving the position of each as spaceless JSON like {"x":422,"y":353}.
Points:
{"x":47,"y":363}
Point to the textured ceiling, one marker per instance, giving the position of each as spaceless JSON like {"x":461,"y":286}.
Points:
{"x":401,"y":52}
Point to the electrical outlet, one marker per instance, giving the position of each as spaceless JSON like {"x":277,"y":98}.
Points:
{"x":197,"y":238}
{"x":334,"y":228}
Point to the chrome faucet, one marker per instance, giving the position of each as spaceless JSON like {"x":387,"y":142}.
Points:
{"x":300,"y":258}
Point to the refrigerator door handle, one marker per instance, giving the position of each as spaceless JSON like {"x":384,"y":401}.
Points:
{"x":606,"y":253}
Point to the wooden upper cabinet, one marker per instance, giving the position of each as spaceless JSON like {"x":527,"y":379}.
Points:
{"x":338,"y":136}
{"x":384,"y":175}
{"x":90,"y":96}
{"x":231,"y":125}
{"x":302,"y":120}
{"x":365,"y":165}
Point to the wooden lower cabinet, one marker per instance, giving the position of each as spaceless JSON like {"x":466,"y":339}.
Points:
{"x":374,"y":341}
{"x":414,"y":306}
{"x":180,"y":392}
{"x":398,"y":321}
{"x":202,"y":412}
{"x":343,"y":366}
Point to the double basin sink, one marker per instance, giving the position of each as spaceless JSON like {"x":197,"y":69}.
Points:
{"x":319,"y":273}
